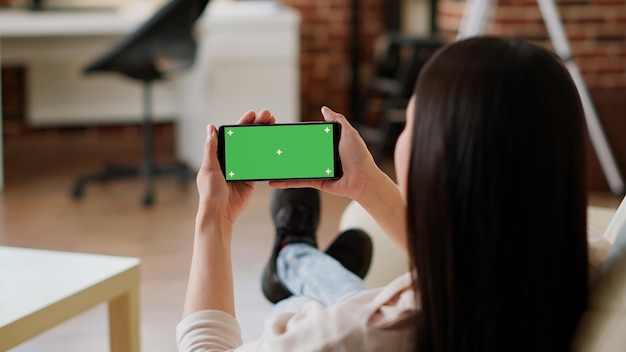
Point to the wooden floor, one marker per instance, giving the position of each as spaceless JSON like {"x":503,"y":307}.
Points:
{"x":36,"y":211}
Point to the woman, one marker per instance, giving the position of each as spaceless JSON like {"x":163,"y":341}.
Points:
{"x":489,"y":206}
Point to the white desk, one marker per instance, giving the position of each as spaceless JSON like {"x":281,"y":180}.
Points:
{"x":40,"y":289}
{"x":55,"y":47}
{"x":23,"y":23}
{"x":59,"y":36}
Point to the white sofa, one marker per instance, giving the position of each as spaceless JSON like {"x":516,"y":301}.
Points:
{"x":603,"y":327}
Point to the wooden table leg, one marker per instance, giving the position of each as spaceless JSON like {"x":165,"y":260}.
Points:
{"x":124,"y":322}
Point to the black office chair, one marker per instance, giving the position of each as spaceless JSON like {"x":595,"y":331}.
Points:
{"x":380,"y":115}
{"x":163,"y":44}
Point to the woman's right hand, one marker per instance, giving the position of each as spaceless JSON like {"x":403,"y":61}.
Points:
{"x":362,"y":181}
{"x":357,"y":163}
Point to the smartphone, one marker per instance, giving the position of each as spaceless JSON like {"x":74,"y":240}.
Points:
{"x":293,"y":151}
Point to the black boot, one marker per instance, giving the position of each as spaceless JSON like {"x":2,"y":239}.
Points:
{"x":296,"y":215}
{"x":353,"y":248}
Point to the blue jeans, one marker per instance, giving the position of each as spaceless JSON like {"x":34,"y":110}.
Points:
{"x":313,"y":275}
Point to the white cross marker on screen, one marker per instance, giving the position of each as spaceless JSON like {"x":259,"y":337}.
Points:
{"x":328,"y":171}
{"x":279,"y":152}
{"x":231,"y":174}
{"x":327,"y":130}
{"x":230,"y":132}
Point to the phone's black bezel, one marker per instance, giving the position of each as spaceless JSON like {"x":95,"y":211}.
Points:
{"x":336,"y":138}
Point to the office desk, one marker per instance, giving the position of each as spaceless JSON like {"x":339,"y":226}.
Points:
{"x":36,"y":37}
{"x":23,"y":23}
{"x":40,"y":289}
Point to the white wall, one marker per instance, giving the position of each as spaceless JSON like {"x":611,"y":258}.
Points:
{"x":248,"y":60}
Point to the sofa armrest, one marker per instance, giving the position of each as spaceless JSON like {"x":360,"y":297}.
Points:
{"x":388,"y":262}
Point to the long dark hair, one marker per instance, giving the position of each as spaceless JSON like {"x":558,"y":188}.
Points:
{"x":497,"y":200}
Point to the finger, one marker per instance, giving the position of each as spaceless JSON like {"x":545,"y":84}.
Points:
{"x":264,"y":117}
{"x":332,"y":116}
{"x":271,"y":119}
{"x":265,"y":113}
{"x":247,"y":118}
{"x":242,"y":186}
{"x":209,"y":161}
{"x":295,"y":184}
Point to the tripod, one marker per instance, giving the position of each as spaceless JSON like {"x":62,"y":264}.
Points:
{"x":472,"y":24}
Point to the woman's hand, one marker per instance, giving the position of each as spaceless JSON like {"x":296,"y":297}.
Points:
{"x":362,"y":181}
{"x":356,"y":160}
{"x":210,"y":285}
{"x":220,"y":201}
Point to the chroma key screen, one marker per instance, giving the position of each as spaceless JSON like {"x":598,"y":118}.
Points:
{"x":277,"y":152}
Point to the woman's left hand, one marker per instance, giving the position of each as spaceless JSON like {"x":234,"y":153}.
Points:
{"x":220,"y":201}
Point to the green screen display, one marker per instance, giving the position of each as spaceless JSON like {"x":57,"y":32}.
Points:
{"x":277,"y":152}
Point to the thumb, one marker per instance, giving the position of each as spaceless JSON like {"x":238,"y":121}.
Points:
{"x":332,"y":116}
{"x":210,"y":161}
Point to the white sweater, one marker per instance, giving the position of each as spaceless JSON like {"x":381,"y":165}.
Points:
{"x":374,"y":320}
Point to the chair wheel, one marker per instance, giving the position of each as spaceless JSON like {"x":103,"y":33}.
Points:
{"x":77,"y":191}
{"x":148,"y":200}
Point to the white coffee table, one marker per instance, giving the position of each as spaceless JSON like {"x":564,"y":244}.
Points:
{"x":40,"y":289}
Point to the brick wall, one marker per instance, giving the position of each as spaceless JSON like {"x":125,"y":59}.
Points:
{"x":596,"y":30}
{"x":325,"y":51}
{"x":13,"y":92}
